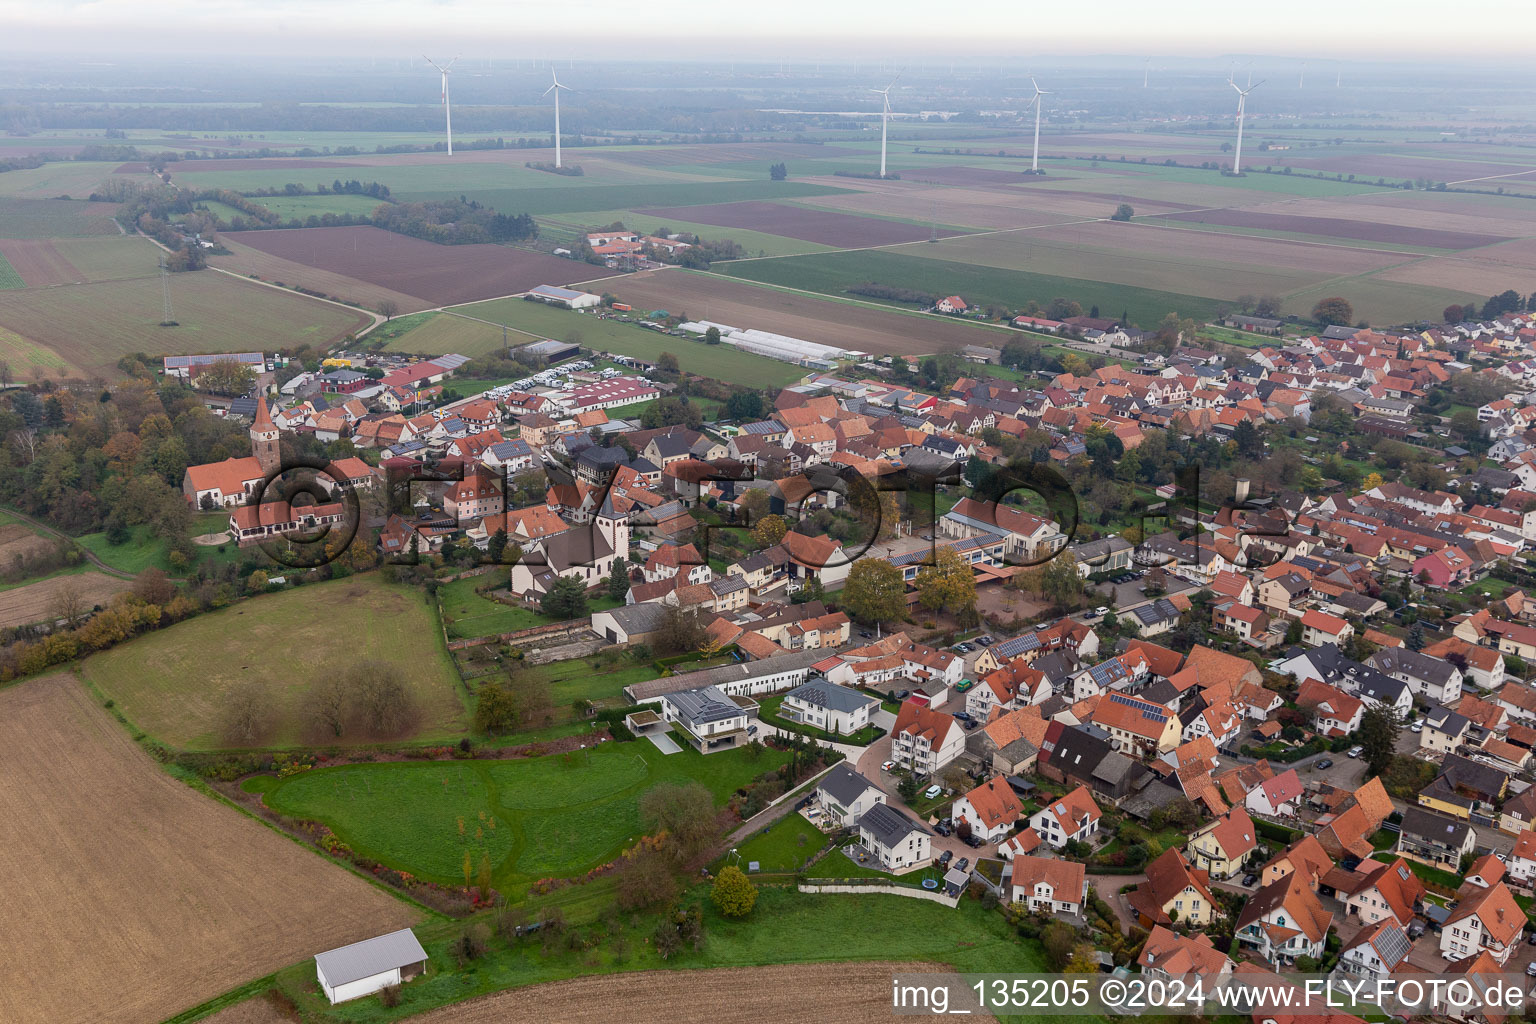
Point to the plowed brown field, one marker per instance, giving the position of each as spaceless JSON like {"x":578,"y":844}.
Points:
{"x":819,"y":226}
{"x":21,"y":606}
{"x":858,"y":993}
{"x":129,"y":895}
{"x":38,"y":262}
{"x":441,"y":275}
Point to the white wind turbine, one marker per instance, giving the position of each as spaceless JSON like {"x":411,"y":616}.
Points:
{"x":447,"y":109}
{"x":885,"y":117}
{"x":1301,"y":83}
{"x":1034,"y":163}
{"x":555,"y":88}
{"x":1242,"y":103}
{"x":1146,"y":74}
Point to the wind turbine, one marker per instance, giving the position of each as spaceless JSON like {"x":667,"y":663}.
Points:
{"x":1034,"y":163}
{"x":1301,"y":83}
{"x":447,"y":110}
{"x":885,"y":117}
{"x":1242,"y":103}
{"x":555,"y":88}
{"x":1146,"y":74}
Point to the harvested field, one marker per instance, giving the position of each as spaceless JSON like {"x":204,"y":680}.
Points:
{"x":1176,"y":244}
{"x":177,"y":897}
{"x":91,"y":326}
{"x":54,"y":218}
{"x":965,"y":176}
{"x":1366,"y":231}
{"x":22,"y":606}
{"x":38,"y":262}
{"x":836,"y":229}
{"x":18,"y":541}
{"x":440,"y":275}
{"x":1469,"y":274}
{"x":114,"y":258}
{"x":1397,"y":167}
{"x":246,"y":260}
{"x":258,"y":1010}
{"x":274,"y":163}
{"x":970,"y":208}
{"x":31,"y":361}
{"x":857,"y":993}
{"x":801,"y":316}
{"x":445,"y":333}
{"x":726,"y":153}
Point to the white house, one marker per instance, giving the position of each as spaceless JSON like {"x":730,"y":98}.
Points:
{"x":829,"y":707}
{"x":845,"y":795}
{"x":991,"y":810}
{"x":895,"y":840}
{"x":1434,"y":680}
{"x":1487,"y":920}
{"x":1049,"y":885}
{"x":1521,"y":862}
{"x":351,"y":972}
{"x":1074,"y":816}
{"x":1277,"y":796}
{"x":1284,"y":920}
{"x":925,"y":740}
{"x":1375,"y":951}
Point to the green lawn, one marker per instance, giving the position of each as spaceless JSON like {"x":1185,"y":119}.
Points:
{"x":722,"y":362}
{"x":8,"y":277}
{"x":768,"y":711}
{"x":468,"y":614}
{"x":582,"y":198}
{"x":175,"y":683}
{"x":784,"y":847}
{"x":143,"y":549}
{"x":544,"y":817}
{"x":834,"y":273}
{"x":300,"y":207}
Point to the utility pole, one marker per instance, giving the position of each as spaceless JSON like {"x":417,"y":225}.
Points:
{"x":166,"y":319}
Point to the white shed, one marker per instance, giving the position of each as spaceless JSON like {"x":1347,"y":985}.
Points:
{"x":363,"y":968}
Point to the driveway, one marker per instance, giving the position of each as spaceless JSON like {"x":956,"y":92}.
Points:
{"x":1108,"y":887}
{"x":876,"y":754}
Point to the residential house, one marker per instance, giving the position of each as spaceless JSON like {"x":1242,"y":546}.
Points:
{"x":1486,"y":920}
{"x":1169,"y":956}
{"x":925,"y":740}
{"x":1434,"y":839}
{"x":706,"y":718}
{"x":828,"y":707}
{"x":1284,"y":921}
{"x":1278,"y":796}
{"x":1174,"y":893}
{"x":1073,"y":817}
{"x":1430,"y":678}
{"x":1444,"y":731}
{"x":1376,"y":951}
{"x":1305,"y":857}
{"x":1222,"y":847}
{"x":845,"y":795}
{"x":896,"y":842}
{"x":1137,"y":728}
{"x":1049,"y":886}
{"x":1318,"y":628}
{"x":1383,"y":891}
{"x":1334,"y":712}
{"x":990,"y":810}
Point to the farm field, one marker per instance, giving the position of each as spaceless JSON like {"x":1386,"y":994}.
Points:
{"x":437,"y":275}
{"x":116,"y":257}
{"x":289,"y":207}
{"x":595,"y":196}
{"x":76,"y":179}
{"x":1367,"y":231}
{"x":855,"y":325}
{"x":568,"y":226}
{"x":832,"y":273}
{"x":1385,"y":299}
{"x":860,"y":993}
{"x":9,"y":277}
{"x":54,"y":218}
{"x":22,"y":606}
{"x":251,"y":262}
{"x":178,"y":897}
{"x":167,"y":684}
{"x":90,"y":326}
{"x":34,"y":263}
{"x":553,"y":816}
{"x":441,"y":333}
{"x":718,"y":361}
{"x":823,"y":227}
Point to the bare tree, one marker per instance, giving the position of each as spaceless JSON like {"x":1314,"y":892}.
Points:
{"x":5,"y":373}
{"x":245,"y":711}
{"x":381,"y":697}
{"x":389,"y":309}
{"x":24,"y":440}
{"x":69,"y":603}
{"x":327,"y":703}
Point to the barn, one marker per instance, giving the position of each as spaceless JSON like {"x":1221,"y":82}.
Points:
{"x":363,"y":968}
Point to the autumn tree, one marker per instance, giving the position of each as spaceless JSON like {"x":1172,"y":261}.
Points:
{"x":69,"y":603}
{"x":1056,"y":580}
{"x":646,"y":880}
{"x":686,"y":813}
{"x":681,"y":631}
{"x":769,"y":531}
{"x":875,"y":591}
{"x":244,"y":712}
{"x":947,"y":585}
{"x":753,"y":504}
{"x":1332,"y":311}
{"x":496,"y":710}
{"x":380,"y":696}
{"x":388,"y":309}
{"x":733,"y":893}
{"x":227,"y":377}
{"x":153,"y":586}
{"x":668,"y":362}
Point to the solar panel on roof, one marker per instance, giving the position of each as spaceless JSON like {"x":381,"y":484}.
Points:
{"x":1393,"y":945}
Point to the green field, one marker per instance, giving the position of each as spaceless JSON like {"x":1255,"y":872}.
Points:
{"x":468,"y":614}
{"x":575,"y":199}
{"x":756,"y":243}
{"x":115,"y":257}
{"x":290,"y":207}
{"x":91,"y":326}
{"x":832,"y":273}
{"x":30,"y":361}
{"x":440,"y":333}
{"x":554,"y":816}
{"x":54,"y":218}
{"x":9,"y":279}
{"x":74,"y":178}
{"x":1378,"y":301}
{"x":173,"y":683}
{"x":718,"y":361}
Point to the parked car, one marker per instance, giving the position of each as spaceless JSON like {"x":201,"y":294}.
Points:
{"x":964,"y":716}
{"x":903,"y":694}
{"x":933,"y":791}
{"x":1530,"y":969}
{"x":1249,"y":879}
{"x":866,"y":634}
{"x":963,"y":685}
{"x":985,"y":641}
{"x":751,"y":730}
{"x":1101,"y":611}
{"x":1415,"y":929}
{"x":945,"y":858}
{"x":887,"y":766}
{"x":944,"y":830}
{"x":1324,"y":763}
{"x":974,"y":841}
{"x":1354,"y":751}
{"x":962,"y":864}
{"x":972,"y":724}
{"x":1531,"y":939}
{"x":1419,"y":727}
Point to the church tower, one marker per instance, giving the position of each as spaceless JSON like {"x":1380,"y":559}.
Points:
{"x":264,"y":443}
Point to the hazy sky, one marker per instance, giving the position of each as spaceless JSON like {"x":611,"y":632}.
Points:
{"x":861,"y":29}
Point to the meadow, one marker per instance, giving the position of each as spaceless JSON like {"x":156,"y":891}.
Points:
{"x":54,"y":218}
{"x":469,"y":614}
{"x":290,"y":207}
{"x":173,"y":684}
{"x":546,"y":817}
{"x":437,"y":334}
{"x":178,"y":897}
{"x":720,"y":362}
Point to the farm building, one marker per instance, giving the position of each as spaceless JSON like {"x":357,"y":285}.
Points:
{"x":551,"y":351}
{"x":363,"y":968}
{"x":566,"y":298}
{"x":185,"y":366}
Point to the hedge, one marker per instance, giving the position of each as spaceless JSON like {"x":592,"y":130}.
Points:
{"x":1276,"y":831}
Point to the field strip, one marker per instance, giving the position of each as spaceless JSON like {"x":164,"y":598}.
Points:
{"x":1493,"y":177}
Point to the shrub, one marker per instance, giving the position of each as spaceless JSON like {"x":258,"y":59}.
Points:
{"x":389,"y":996}
{"x":471,"y":944}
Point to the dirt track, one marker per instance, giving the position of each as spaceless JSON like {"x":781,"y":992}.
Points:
{"x":129,"y":895}
{"x":790,"y":994}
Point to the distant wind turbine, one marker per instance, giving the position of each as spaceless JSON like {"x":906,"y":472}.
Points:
{"x":447,"y":109}
{"x":1301,"y":83}
{"x":1242,"y":103}
{"x":885,"y":117}
{"x":555,"y":88}
{"x":1146,"y":74}
{"x":1034,"y":163}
